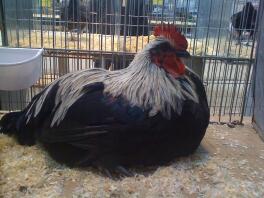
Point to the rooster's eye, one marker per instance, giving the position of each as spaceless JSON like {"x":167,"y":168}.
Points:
{"x":155,"y":52}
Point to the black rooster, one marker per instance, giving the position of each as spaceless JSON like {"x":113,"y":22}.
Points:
{"x":148,"y":113}
{"x":74,"y":14}
{"x":104,"y":16}
{"x":244,"y":21}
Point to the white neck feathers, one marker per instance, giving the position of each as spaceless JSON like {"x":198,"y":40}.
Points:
{"x":150,"y":87}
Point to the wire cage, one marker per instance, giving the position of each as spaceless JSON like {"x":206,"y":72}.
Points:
{"x":81,"y":34}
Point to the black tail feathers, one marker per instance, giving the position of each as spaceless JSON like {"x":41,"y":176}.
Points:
{"x":8,"y":123}
{"x":14,"y":124}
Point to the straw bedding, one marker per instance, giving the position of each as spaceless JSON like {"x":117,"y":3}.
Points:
{"x":229,"y":163}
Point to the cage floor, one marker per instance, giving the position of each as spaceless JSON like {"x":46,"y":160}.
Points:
{"x":221,"y":46}
{"x":229,"y":163}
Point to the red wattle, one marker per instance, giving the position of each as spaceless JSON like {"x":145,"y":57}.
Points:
{"x":174,"y":65}
{"x":181,"y":67}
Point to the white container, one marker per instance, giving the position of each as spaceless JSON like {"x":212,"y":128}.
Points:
{"x":19,"y":67}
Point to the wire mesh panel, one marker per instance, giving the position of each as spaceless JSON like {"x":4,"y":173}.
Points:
{"x":80,"y":34}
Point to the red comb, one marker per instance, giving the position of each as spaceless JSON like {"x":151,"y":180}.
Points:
{"x":171,"y":32}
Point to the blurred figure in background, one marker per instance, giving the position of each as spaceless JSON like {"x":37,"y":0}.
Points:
{"x":244,"y":22}
{"x":105,"y":16}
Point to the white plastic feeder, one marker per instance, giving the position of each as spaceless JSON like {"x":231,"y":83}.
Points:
{"x":19,"y":67}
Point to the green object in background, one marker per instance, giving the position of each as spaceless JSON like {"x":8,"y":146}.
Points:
{"x":157,"y":2}
{"x":44,"y":6}
{"x":46,"y":3}
{"x":43,"y":3}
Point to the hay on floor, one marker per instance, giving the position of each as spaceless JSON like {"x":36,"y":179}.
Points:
{"x":229,"y":163}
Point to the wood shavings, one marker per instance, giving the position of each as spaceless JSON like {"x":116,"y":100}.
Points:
{"x":98,"y":42}
{"x":261,"y":157}
{"x":215,"y":170}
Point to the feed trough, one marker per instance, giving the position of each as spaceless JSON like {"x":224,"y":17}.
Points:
{"x":19,"y":68}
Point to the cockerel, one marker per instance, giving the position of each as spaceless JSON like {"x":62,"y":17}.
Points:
{"x":244,"y":21}
{"x":146,"y":114}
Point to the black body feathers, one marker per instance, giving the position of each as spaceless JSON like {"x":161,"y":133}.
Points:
{"x":101,"y":130}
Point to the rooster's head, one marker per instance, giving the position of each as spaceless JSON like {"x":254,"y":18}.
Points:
{"x":168,"y":49}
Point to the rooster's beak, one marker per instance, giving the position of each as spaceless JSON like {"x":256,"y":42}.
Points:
{"x":184,"y":54}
